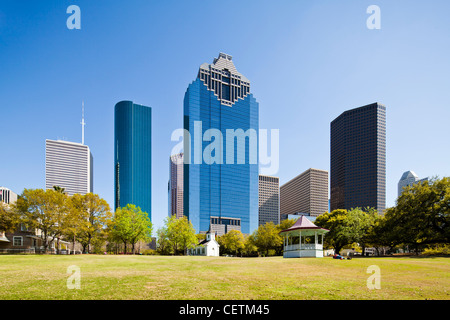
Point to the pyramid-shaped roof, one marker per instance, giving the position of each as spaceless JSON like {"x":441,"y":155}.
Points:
{"x":303,"y":223}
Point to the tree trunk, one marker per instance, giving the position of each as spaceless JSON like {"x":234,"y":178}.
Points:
{"x":89,"y":244}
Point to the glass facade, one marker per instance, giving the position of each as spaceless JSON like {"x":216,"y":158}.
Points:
{"x":132,"y":155}
{"x":220,"y":192}
{"x":358,"y":159}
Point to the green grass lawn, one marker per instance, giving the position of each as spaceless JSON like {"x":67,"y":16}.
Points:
{"x":224,"y":278}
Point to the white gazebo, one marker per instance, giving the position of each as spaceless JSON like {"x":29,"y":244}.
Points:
{"x":302,"y":240}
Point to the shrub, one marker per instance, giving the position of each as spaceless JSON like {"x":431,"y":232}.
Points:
{"x":149,"y":252}
{"x":439,"y":249}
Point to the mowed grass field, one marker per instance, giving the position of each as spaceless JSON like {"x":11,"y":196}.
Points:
{"x":224,"y":278}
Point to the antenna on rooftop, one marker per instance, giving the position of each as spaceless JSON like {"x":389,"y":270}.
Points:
{"x":82,"y":122}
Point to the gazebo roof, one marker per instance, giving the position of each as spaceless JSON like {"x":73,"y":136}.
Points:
{"x":303,"y":223}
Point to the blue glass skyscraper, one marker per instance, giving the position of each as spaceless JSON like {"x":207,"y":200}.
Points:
{"x":221,"y":182}
{"x":133,"y":155}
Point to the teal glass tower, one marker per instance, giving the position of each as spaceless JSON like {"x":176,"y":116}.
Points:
{"x":133,"y":155}
{"x":221,"y":182}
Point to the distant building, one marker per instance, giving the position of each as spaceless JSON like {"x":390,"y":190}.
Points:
{"x":221,"y":225}
{"x":21,"y":240}
{"x":299,"y":215}
{"x":408,"y":178}
{"x":7,"y":196}
{"x":269,"y":199}
{"x":69,"y":165}
{"x":307,"y":193}
{"x":176,"y":185}
{"x":358,"y":158}
{"x":133,"y":155}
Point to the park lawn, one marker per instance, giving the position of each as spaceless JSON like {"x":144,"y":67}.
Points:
{"x":44,"y":277}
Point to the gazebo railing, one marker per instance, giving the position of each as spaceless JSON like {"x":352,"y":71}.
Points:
{"x":304,"y":246}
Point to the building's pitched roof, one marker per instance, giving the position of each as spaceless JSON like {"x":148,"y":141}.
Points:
{"x":302,"y":223}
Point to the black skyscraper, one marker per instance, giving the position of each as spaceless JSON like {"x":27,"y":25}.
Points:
{"x":358,"y":158}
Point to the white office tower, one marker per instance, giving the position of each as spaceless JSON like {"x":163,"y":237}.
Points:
{"x":7,"y":196}
{"x":408,"y":178}
{"x":69,"y":165}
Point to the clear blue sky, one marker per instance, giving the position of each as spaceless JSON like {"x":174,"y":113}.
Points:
{"x":308,"y":61}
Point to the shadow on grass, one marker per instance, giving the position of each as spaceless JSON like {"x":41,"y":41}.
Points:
{"x":421,"y":256}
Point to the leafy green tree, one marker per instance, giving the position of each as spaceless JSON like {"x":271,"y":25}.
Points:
{"x":285,"y":224}
{"x":266,"y":237}
{"x":59,"y":189}
{"x":250,"y":248}
{"x":358,"y":224}
{"x":9,"y":218}
{"x":44,"y":210}
{"x":334,"y":221}
{"x":181,"y":234}
{"x":163,"y":243}
{"x":421,"y":216}
{"x":232,"y":242}
{"x":76,"y":222}
{"x":131,"y":225}
{"x":96,"y":214}
{"x":379,"y":233}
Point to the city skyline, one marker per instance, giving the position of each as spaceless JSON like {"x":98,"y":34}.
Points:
{"x":403,"y":66}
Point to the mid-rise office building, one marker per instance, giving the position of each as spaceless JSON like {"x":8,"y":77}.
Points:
{"x":306,"y":194}
{"x":175,"y":187}
{"x":7,"y":196}
{"x":408,"y":178}
{"x":269,"y":199}
{"x":69,"y":165}
{"x":358,"y":158}
{"x":221,"y":190}
{"x":133,"y":155}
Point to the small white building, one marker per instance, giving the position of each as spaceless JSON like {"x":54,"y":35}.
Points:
{"x":208,"y":247}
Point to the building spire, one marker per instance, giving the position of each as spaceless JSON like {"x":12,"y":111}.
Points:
{"x":82,"y":122}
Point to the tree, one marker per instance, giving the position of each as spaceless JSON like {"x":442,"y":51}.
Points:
{"x":44,"y":210}
{"x":421,"y":216}
{"x":266,"y":237}
{"x":59,"y":189}
{"x":249,"y":247}
{"x":285,"y":224}
{"x":334,"y":221}
{"x":378,"y":234}
{"x":9,"y":219}
{"x":181,"y":234}
{"x":96,"y":213}
{"x":358,"y":224}
{"x":76,"y":222}
{"x":163,"y":243}
{"x":131,"y":225}
{"x":232,"y":242}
